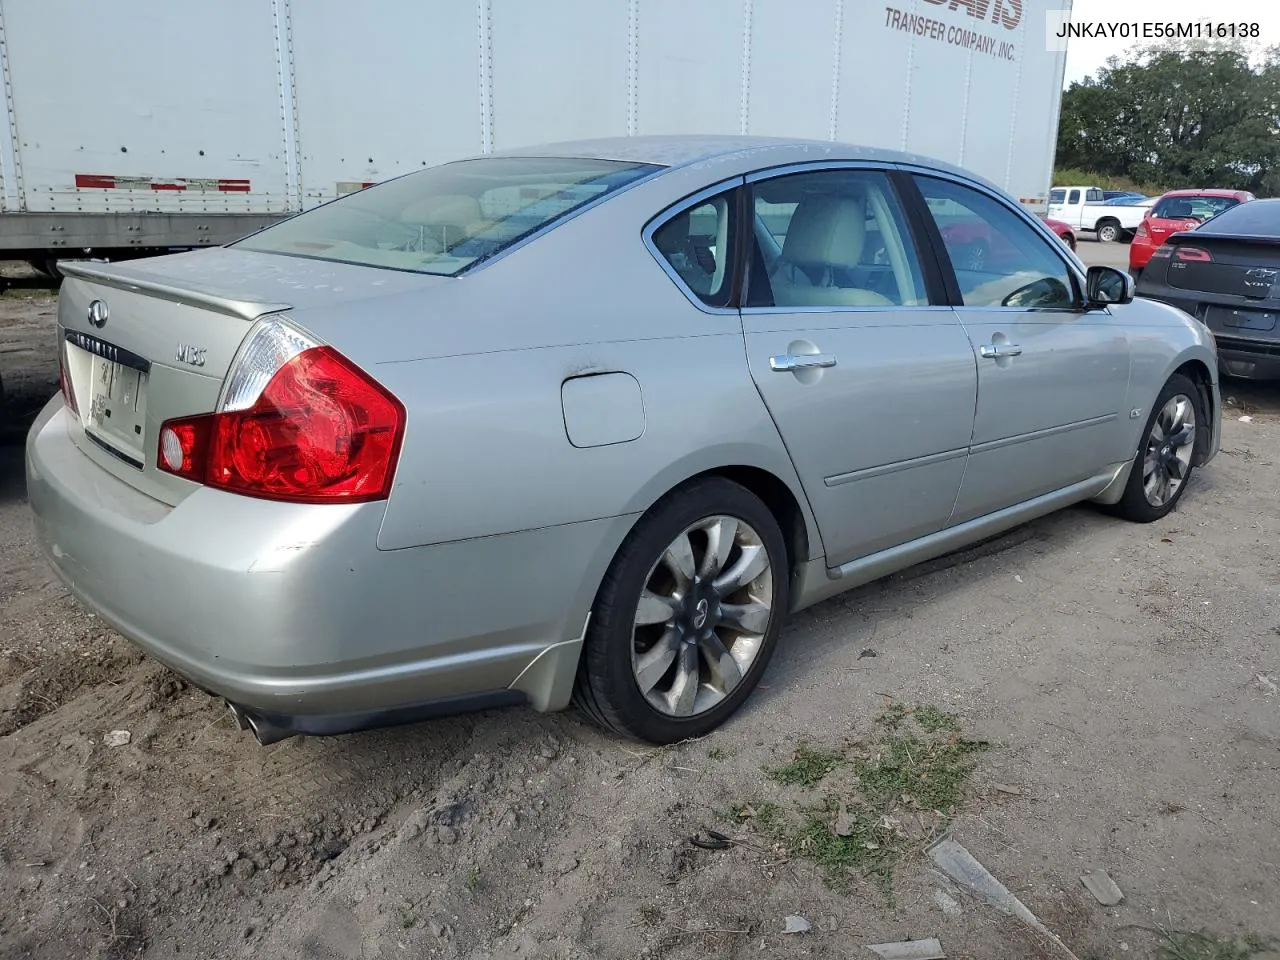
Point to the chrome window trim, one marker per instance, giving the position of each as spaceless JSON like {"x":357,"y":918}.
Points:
{"x":816,"y":166}
{"x":918,"y":308}
{"x":669,"y":213}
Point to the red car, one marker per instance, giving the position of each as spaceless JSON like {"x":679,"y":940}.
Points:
{"x":973,"y":245}
{"x":1063,"y":230}
{"x":1178,"y":210}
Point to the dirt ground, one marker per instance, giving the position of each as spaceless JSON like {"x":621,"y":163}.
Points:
{"x":1125,"y":678}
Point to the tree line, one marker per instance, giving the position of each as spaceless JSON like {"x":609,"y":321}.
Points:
{"x":1178,"y":118}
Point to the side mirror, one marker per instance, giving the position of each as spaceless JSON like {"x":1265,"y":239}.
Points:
{"x":1107,"y":285}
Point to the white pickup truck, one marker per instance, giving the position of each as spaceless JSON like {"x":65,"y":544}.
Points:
{"x":1085,"y":209}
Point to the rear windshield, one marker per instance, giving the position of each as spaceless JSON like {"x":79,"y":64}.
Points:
{"x":447,"y":218}
{"x":1254,"y":218}
{"x":1192,"y":208}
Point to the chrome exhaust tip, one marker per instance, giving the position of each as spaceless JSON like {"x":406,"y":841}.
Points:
{"x":265,"y":732}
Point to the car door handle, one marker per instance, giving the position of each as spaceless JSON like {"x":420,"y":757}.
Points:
{"x":786,"y":363}
{"x":992,"y":351}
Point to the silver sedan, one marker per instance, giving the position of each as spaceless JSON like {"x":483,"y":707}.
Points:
{"x":584,"y":424}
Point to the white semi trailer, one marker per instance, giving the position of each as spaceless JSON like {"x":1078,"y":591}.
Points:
{"x":143,"y":125}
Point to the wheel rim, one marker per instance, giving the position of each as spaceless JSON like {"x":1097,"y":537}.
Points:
{"x":702,"y":617}
{"x":1108,"y":233}
{"x":1169,"y":447}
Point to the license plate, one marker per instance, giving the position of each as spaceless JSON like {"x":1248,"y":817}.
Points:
{"x":117,"y":409}
{"x":1243,"y":319}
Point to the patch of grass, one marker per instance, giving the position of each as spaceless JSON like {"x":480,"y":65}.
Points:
{"x":407,"y":919}
{"x":807,"y":768}
{"x":1184,"y":945}
{"x":846,"y":844}
{"x":715,"y":753}
{"x":765,"y":813}
{"x":473,"y":879}
{"x":649,"y":915}
{"x":933,"y":720}
{"x":921,"y":773}
{"x":904,"y":785}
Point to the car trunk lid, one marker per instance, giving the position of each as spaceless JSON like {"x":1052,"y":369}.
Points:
{"x":149,"y":342}
{"x":1161,"y":228}
{"x":1236,"y":267}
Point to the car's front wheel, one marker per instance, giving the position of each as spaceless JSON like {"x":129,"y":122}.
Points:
{"x":688,"y":615}
{"x":1163,"y":463}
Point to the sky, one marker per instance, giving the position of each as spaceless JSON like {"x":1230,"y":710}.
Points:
{"x":1085,"y":56}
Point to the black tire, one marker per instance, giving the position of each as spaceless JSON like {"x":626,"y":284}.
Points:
{"x":606,"y":689}
{"x":1109,"y":231}
{"x":1134,"y":505}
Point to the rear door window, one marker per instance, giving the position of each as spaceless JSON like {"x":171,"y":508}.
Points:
{"x":832,"y":238}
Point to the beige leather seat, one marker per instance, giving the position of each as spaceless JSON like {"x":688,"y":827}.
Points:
{"x":826,"y":233}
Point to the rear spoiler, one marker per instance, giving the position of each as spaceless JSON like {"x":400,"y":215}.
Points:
{"x":123,"y":279}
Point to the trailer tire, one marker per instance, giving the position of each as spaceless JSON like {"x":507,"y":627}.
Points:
{"x":1109,"y":230}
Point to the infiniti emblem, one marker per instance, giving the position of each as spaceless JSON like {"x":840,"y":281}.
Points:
{"x":700,"y":615}
{"x":98,"y":313}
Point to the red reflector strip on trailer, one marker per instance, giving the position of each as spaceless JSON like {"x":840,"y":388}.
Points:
{"x":94,"y":181}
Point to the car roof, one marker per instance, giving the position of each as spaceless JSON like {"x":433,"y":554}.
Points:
{"x":682,"y":150}
{"x":1210,"y":192}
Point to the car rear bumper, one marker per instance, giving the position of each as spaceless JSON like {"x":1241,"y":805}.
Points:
{"x":291,"y":611}
{"x":1140,"y":251}
{"x":1249,"y":359}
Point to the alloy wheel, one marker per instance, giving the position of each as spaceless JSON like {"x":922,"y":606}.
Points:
{"x":1170,"y":445}
{"x":702,"y":617}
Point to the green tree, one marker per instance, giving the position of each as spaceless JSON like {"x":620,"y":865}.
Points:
{"x":1202,"y":117}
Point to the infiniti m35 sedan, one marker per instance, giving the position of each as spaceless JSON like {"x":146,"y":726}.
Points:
{"x":584,"y":423}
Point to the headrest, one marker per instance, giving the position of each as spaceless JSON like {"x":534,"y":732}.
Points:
{"x":826,"y":229}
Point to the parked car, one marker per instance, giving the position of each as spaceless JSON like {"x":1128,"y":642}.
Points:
{"x":553,"y":425}
{"x":1226,"y":273}
{"x":1121,"y":196}
{"x":1063,"y":230}
{"x":1128,"y":200}
{"x":975,"y":245}
{"x":1084,"y":208}
{"x":1174,"y":211}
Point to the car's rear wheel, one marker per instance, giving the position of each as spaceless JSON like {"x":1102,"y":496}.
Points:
{"x":688,"y":615}
{"x":1163,"y":464}
{"x":1109,"y":231}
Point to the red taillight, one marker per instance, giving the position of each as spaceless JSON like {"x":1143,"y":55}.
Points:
{"x":1192,"y":255}
{"x":64,"y":380}
{"x":321,"y":431}
{"x":1162,"y":251}
{"x":1141,"y":231}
